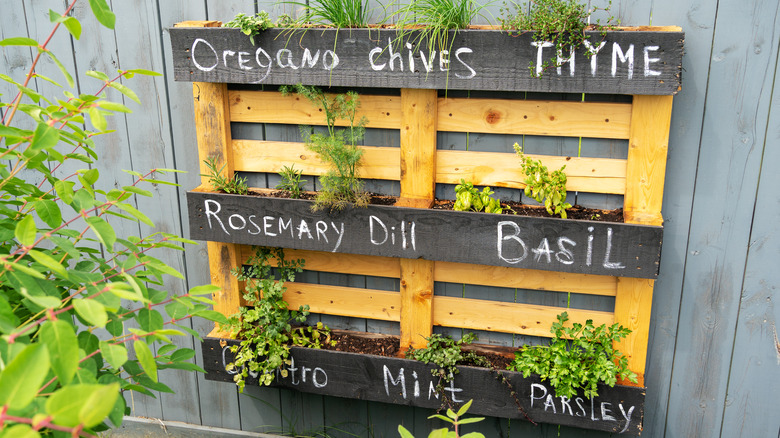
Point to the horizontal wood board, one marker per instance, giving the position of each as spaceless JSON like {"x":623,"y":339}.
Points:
{"x":628,"y":62}
{"x":407,"y":382}
{"x":550,"y":244}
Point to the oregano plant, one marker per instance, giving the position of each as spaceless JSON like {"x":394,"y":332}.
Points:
{"x":69,"y":285}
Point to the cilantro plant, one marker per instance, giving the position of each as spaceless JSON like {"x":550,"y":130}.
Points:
{"x":265,"y":323}
{"x":578,"y":357}
{"x":341,"y":185}
{"x":76,"y":298}
{"x":468,"y":198}
{"x":544,"y":186}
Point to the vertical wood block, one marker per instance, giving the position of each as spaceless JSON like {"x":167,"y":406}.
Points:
{"x":416,"y":302}
{"x":633,"y":303}
{"x":418,"y":147}
{"x":646,"y":168}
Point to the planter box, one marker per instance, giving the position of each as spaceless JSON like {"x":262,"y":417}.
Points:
{"x":408,"y":382}
{"x":638,"y":61}
{"x":551,"y":244}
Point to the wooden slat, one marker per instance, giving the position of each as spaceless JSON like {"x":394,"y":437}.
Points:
{"x":271,"y":156}
{"x":500,"y":276}
{"x":271,"y":107}
{"x":505,"y":317}
{"x":416,"y":302}
{"x":633,"y":303}
{"x":418,"y":148}
{"x":450,"y":272}
{"x":646,"y":167}
{"x":555,"y":118}
{"x":345,"y":301}
{"x":592,"y":175}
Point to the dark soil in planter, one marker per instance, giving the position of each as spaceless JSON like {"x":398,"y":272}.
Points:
{"x":575,"y":212}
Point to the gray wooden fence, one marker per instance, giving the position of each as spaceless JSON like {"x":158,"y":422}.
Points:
{"x":713,"y":356}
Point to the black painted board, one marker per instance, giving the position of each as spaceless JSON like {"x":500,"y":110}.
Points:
{"x":409,"y":382}
{"x":552,"y":244}
{"x":626,"y":62}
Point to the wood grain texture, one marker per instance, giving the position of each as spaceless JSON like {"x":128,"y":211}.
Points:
{"x":480,"y":60}
{"x":633,"y":302}
{"x":531,"y":117}
{"x":418,"y":147}
{"x":416,"y":303}
{"x":497,"y":169}
{"x":212,"y":127}
{"x":272,"y":107}
{"x":408,"y":382}
{"x":345,"y":301}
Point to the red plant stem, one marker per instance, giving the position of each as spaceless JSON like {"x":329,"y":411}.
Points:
{"x":76,"y":431}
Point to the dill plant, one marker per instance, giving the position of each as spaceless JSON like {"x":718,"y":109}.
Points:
{"x":341,"y":185}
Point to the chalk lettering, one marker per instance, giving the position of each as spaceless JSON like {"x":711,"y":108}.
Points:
{"x":582,"y":412}
{"x":240,"y":218}
{"x":303,"y":227}
{"x":453,"y":390}
{"x":401,"y":380}
{"x":319,"y":382}
{"x":321,"y":230}
{"x":225,"y":55}
{"x":549,"y":403}
{"x":606,"y":412}
{"x":254,"y":225}
{"x":268,"y":64}
{"x":564,"y":255}
{"x":394,"y":56}
{"x":540,"y":46}
{"x":627,"y":416}
{"x":307,"y":60}
{"x":428,"y":65}
{"x":339,"y":233}
{"x":416,"y":385}
{"x":589,"y":254}
{"x":411,"y":57}
{"x":607,"y":263}
{"x":213,"y":213}
{"x":593,"y":52}
{"x":229,"y":370}
{"x":649,"y":60}
{"x":267,"y":225}
{"x":285,"y":226}
{"x":334,"y":60}
{"x":372,"y":59}
{"x":534,"y":388}
{"x":515,"y":237}
{"x":560,"y":60}
{"x":628,"y":56}
{"x":444,"y":60}
{"x":432,"y":390}
{"x":287,"y":62}
{"x":543,"y":250}
{"x":371,"y":221}
{"x":565,"y":404}
{"x":194,"y":58}
{"x":457,"y":56}
{"x":242,"y":62}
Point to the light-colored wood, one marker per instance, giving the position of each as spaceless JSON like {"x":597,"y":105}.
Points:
{"x":416,"y":302}
{"x":646,"y":169}
{"x":208,"y":23}
{"x":500,"y":276}
{"x":272,"y":107}
{"x":340,"y":262}
{"x":345,"y":301}
{"x":271,"y":156}
{"x":633,"y":303}
{"x":497,"y":316}
{"x":222,"y":258}
{"x":418,"y":147}
{"x":529,"y":117}
{"x":500,"y":169}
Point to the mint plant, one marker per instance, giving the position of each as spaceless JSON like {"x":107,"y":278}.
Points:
{"x":469,"y":198}
{"x":69,"y":286}
{"x":544,"y":186}
{"x":264,"y":325}
{"x":578,"y":357}
{"x":341,"y":185}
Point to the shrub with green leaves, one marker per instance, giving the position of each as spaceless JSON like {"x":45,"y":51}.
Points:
{"x":446,"y":353}
{"x":468,"y":198}
{"x":264,"y":325}
{"x":77,"y":301}
{"x":578,"y":357}
{"x":560,"y":22}
{"x":341,"y":185}
{"x":544,"y":186}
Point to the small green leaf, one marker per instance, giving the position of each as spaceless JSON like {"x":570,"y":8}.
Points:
{"x":125,"y":90}
{"x":103,"y":230}
{"x":206,"y":289}
{"x":113,"y":106}
{"x":114,"y":354}
{"x":21,"y":379}
{"x":146,"y":359}
{"x":45,"y":137}
{"x":212,"y":315}
{"x":149,"y":320}
{"x":92,"y":311}
{"x":49,"y":212}
{"x":73,"y":26}
{"x":404,"y":433}
{"x":63,"y":70}
{"x":97,"y":75}
{"x":19,"y":41}
{"x":97,"y":119}
{"x":26,"y":230}
{"x":64,"y":190}
{"x":85,"y":404}
{"x":103,"y":13}
{"x":135,"y":213}
{"x":20,"y":431}
{"x":49,"y":262}
{"x":137,"y":191}
{"x":60,"y":339}
{"x":141,"y":71}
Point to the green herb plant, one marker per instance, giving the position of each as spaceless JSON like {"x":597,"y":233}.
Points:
{"x":469,"y":198}
{"x":560,"y":22}
{"x":333,"y":13}
{"x":265,"y":324}
{"x":544,"y":186}
{"x":291,"y":181}
{"x":77,"y":298}
{"x":578,"y":357}
{"x":235,"y":185}
{"x":341,"y":185}
{"x":251,"y":25}
{"x":455,"y":419}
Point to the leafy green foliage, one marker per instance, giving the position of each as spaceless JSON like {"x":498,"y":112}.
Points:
{"x":335,"y":13}
{"x":265,"y":324}
{"x":219,"y":182}
{"x":544,"y":186}
{"x":341,"y":185}
{"x":579,"y":356}
{"x":446,"y":353}
{"x":455,"y":419}
{"x":291,"y":181}
{"x":468,"y":198}
{"x":250,"y":25}
{"x":70,"y":286}
{"x":560,"y":22}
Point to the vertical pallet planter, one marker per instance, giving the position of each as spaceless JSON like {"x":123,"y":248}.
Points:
{"x":420,"y":246}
